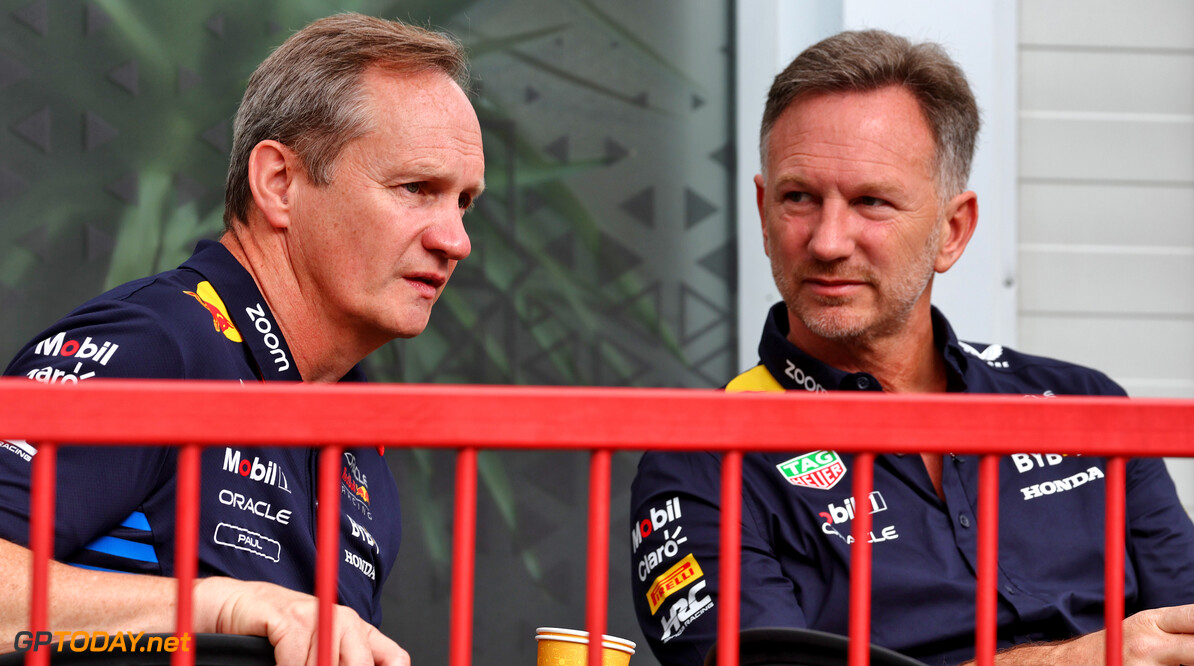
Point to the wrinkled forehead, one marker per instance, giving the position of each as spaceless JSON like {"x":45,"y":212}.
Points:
{"x":863,"y":130}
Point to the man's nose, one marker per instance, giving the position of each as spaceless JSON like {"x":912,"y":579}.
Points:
{"x":832,"y":235}
{"x":447,"y":235}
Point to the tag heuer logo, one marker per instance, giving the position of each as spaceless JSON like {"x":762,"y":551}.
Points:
{"x":819,"y":469}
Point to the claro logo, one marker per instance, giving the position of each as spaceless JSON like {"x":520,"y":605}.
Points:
{"x":266,"y":329}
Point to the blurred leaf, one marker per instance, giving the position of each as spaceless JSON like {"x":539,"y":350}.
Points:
{"x":497,"y":482}
{"x":624,"y":34}
{"x":139,"y":237}
{"x":574,"y":79}
{"x":486,"y":46}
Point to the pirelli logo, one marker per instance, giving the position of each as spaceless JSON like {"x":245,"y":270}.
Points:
{"x":673,"y":580}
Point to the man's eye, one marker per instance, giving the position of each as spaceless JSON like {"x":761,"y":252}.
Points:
{"x":872,"y":201}
{"x":413,"y":188}
{"x":464,"y":201}
{"x":796,"y":197}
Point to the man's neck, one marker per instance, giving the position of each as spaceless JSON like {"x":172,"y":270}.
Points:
{"x":320,"y":353}
{"x":905,"y":361}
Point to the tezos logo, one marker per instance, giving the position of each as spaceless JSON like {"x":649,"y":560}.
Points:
{"x":269,"y":473}
{"x":819,"y":469}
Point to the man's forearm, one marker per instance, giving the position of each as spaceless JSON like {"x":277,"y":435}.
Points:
{"x":82,"y":599}
{"x":1071,"y":651}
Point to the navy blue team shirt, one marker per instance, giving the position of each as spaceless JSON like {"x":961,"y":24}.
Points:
{"x":797,"y":514}
{"x":115,"y":506}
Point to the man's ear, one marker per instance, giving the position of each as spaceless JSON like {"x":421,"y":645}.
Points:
{"x":961,"y":219}
{"x":273,"y":169}
{"x":760,"y":195}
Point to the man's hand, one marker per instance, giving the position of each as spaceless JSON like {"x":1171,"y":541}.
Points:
{"x":86,"y":600}
{"x":288,"y":619}
{"x":1157,"y":637}
{"x":1160,"y":636}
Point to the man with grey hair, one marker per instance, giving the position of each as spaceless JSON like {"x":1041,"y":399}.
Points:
{"x":866,"y":146}
{"x":356,"y":155}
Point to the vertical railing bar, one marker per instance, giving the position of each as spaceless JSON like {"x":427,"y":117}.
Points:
{"x":327,"y":544}
{"x":860,"y":562}
{"x":1113,"y":604}
{"x":988,"y":559}
{"x":186,"y":545}
{"x":464,"y":540}
{"x":597,"y":595}
{"x":730,"y":557}
{"x":41,"y":542}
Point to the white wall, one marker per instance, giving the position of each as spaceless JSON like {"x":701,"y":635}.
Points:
{"x":1107,"y":188}
{"x":769,"y":34}
{"x":1107,"y":192}
{"x":979,"y":293}
{"x":1084,"y":175}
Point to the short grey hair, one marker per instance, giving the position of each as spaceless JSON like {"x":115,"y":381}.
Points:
{"x":866,"y":60}
{"x":308,"y":96}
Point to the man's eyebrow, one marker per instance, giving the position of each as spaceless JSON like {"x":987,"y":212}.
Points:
{"x":791,"y":181}
{"x":879,"y":187}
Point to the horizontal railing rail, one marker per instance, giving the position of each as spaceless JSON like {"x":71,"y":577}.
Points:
{"x":600,"y":420}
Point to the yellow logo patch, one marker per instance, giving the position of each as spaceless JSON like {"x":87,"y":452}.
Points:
{"x":673,"y":580}
{"x":208,"y":298}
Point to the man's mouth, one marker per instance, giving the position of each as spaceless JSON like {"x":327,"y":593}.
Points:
{"x":833,"y":287}
{"x":427,"y":284}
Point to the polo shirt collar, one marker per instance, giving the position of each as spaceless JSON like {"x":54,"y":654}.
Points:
{"x":796,"y":370}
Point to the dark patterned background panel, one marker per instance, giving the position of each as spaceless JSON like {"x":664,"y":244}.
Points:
{"x":603,"y":249}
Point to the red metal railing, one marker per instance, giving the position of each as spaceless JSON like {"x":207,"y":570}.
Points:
{"x":600,"y":420}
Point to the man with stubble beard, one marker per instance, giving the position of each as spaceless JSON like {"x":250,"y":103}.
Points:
{"x":866,"y":146}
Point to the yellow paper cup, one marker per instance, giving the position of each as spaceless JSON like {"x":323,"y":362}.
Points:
{"x":569,"y":647}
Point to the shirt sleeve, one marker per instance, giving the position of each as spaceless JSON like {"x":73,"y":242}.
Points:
{"x":676,"y":513}
{"x":97,"y":487}
{"x":1160,"y":538}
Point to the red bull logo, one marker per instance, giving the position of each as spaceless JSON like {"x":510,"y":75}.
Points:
{"x":355,"y":488}
{"x":354,"y":485}
{"x":209,"y":299}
